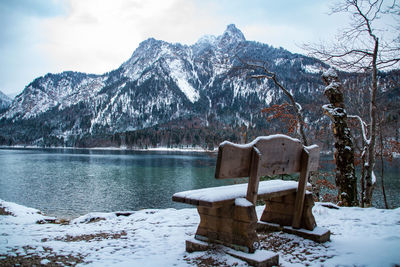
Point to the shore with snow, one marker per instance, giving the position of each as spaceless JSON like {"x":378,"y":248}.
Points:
{"x":122,"y":148}
{"x":360,"y":237}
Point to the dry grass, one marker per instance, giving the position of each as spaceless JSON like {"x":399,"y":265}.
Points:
{"x":206,"y":260}
{"x":53,"y":221}
{"x":94,"y":237}
{"x":90,"y":237}
{"x":296,"y":251}
{"x":30,"y":258}
{"x":3,"y":211}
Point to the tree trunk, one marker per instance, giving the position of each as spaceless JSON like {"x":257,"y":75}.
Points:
{"x":372,"y":130}
{"x":346,"y":180}
{"x":382,"y":166}
{"x":362,"y":179}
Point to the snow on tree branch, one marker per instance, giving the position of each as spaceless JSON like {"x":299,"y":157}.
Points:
{"x":363,"y":125}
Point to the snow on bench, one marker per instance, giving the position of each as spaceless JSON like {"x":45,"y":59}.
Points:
{"x":220,"y":195}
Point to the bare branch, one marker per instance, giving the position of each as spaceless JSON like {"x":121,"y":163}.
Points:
{"x":354,"y":48}
{"x":254,"y":65}
{"x":363,"y":127}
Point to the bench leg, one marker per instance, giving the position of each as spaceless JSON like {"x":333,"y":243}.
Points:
{"x":230,"y":225}
{"x":280,"y":210}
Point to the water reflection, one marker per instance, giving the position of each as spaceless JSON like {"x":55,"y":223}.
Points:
{"x":68,"y":182}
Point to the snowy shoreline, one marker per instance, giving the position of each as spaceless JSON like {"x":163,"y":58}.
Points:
{"x":156,"y":237}
{"x":155,"y":149}
{"x":151,"y":149}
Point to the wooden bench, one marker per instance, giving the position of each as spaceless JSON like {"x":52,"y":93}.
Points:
{"x":227,"y":213}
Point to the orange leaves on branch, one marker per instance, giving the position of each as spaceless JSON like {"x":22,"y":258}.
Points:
{"x":283,"y":113}
{"x":389,"y":148}
{"x":325,"y":183}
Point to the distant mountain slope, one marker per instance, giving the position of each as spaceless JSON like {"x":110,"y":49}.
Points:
{"x":5,"y":102}
{"x":162,"y":87}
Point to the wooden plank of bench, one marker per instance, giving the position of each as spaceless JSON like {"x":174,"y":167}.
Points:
{"x":309,"y":159}
{"x":221,"y":195}
{"x":254,"y":179}
{"x":299,"y":203}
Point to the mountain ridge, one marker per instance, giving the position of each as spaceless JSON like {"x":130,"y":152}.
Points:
{"x":161,"y":87}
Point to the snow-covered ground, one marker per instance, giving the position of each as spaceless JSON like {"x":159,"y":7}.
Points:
{"x":360,"y":237}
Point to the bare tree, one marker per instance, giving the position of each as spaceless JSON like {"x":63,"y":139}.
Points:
{"x":364,"y":47}
{"x":263,"y":72}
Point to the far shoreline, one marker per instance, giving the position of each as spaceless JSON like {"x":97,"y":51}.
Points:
{"x":150,"y":149}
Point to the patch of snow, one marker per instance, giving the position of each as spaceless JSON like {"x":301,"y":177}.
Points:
{"x":280,"y":61}
{"x":251,"y":144}
{"x":21,"y":214}
{"x":333,"y":111}
{"x":331,"y":72}
{"x":175,"y":149}
{"x":313,"y":69}
{"x":88,"y":218}
{"x":299,"y":107}
{"x":268,"y":98}
{"x":311,"y":147}
{"x":5,"y":101}
{"x":363,"y":127}
{"x":221,"y":69}
{"x":373,"y":177}
{"x":179,"y":75}
{"x":45,"y":261}
{"x":242,"y":202}
{"x":207,"y":39}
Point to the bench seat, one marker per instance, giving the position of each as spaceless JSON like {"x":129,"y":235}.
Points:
{"x":222,"y":195}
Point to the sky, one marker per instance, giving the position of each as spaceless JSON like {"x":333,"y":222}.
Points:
{"x":96,"y":36}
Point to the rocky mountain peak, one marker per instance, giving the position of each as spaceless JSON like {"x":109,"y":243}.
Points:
{"x":230,"y":38}
{"x":233,"y":31}
{"x":232,"y":34}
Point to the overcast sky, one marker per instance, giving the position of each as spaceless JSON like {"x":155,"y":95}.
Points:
{"x":96,"y":36}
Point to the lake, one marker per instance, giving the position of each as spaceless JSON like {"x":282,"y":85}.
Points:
{"x":71,"y":182}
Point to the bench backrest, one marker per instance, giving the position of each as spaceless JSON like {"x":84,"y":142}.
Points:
{"x":280,"y":154}
{"x":268,"y":155}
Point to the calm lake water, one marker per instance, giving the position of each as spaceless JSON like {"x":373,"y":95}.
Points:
{"x":73,"y":182}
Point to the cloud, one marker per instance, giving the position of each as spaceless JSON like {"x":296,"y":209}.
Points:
{"x":21,"y":39}
{"x":98,"y":35}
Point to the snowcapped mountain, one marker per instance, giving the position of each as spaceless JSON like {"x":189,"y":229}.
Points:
{"x":161,"y":86}
{"x":5,"y":101}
